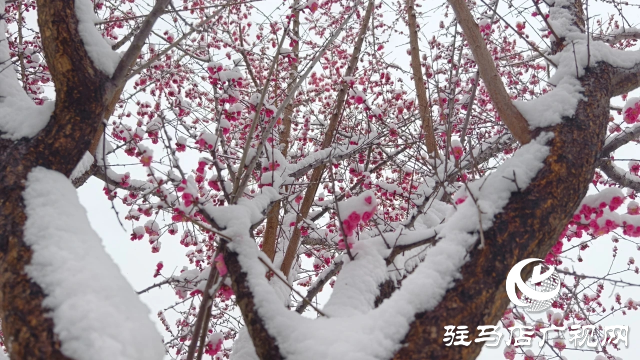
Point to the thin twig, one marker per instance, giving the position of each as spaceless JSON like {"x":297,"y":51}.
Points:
{"x":291,"y":287}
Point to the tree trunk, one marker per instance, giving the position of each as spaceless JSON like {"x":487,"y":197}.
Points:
{"x":528,"y":227}
{"x":81,"y":90}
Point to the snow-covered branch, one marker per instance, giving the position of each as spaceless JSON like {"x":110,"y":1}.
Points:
{"x":619,"y":175}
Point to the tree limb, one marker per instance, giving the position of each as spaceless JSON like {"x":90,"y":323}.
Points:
{"x":626,"y":80}
{"x":270,"y":239}
{"x":292,"y":249}
{"x":509,"y":114}
{"x":82,"y":94}
{"x":130,"y":56}
{"x":528,"y":226}
{"x":424,"y":106}
{"x":628,"y":135}
{"x":614,"y":173}
{"x":318,"y":285}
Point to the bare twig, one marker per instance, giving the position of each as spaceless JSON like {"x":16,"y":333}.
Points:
{"x":267,"y":130}
{"x":204,"y":306}
{"x":174,"y":44}
{"x":318,"y":285}
{"x":291,"y":287}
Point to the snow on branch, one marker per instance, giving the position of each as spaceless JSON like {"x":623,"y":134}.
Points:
{"x":320,"y":282}
{"x":620,"y":176}
{"x":352,"y":328}
{"x":578,"y":54}
{"x":96,"y":312}
{"x":627,"y":135}
{"x":617,"y":35}
{"x":100,"y":52}
{"x":19,"y":115}
{"x":336,"y":152}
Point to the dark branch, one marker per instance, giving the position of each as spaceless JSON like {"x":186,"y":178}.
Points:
{"x":628,"y":135}
{"x":612,"y":171}
{"x":130,"y":56}
{"x":626,"y":80}
{"x":318,"y":285}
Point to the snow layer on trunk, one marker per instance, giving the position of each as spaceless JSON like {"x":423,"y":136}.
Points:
{"x":377,"y":334}
{"x":96,"y":313}
{"x":100,"y":52}
{"x":572,"y":61}
{"x":19,"y":115}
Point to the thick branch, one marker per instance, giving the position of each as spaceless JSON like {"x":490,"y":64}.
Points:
{"x":627,"y":136}
{"x":626,"y":80}
{"x":528,"y":226}
{"x":424,"y":107}
{"x":292,"y":249}
{"x":82,"y":93}
{"x":130,"y":56}
{"x":273,"y":218}
{"x":266,"y":346}
{"x":620,"y":177}
{"x":509,"y":114}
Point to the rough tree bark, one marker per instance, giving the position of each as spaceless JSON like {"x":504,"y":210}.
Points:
{"x":83,"y":95}
{"x":528,"y":227}
{"x":81,"y":90}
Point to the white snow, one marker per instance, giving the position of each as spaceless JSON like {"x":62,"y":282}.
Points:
{"x":243,"y":348}
{"x":96,"y":313}
{"x":348,"y":333}
{"x":97,"y":47}
{"x":548,"y":109}
{"x":357,"y":286}
{"x":82,"y":167}
{"x":19,"y":115}
{"x":357,"y":204}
